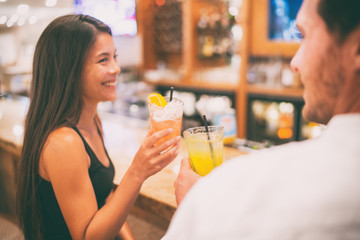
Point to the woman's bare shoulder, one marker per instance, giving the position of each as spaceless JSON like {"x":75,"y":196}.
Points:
{"x":64,"y":145}
{"x":63,"y":137}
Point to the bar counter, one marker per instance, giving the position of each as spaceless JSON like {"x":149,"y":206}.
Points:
{"x":122,"y":136}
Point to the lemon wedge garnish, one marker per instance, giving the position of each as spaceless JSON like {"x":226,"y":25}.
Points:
{"x":156,"y":98}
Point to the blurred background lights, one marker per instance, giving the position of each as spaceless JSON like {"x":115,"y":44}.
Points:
{"x":160,"y":2}
{"x":18,"y":130}
{"x":1,"y":1}
{"x":10,"y":23}
{"x":50,"y":3}
{"x":272,"y":112}
{"x":316,"y":131}
{"x":22,"y":9}
{"x":134,"y":108}
{"x":14,"y":18}
{"x":236,"y":3}
{"x":21,"y":21}
{"x":237,"y":32}
{"x":3,"y":19}
{"x":32,"y":19}
{"x":233,"y":11}
{"x":286,"y":107}
{"x":258,"y":108}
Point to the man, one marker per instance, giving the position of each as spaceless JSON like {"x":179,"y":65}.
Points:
{"x":303,"y":190}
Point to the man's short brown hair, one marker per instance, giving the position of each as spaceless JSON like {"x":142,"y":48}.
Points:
{"x":342,"y":17}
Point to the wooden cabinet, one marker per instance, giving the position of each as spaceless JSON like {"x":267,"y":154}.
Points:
{"x":191,"y":64}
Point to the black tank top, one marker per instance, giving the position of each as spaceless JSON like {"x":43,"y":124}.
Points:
{"x":102,"y":180}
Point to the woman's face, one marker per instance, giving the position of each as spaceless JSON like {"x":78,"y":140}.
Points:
{"x":100,"y":72}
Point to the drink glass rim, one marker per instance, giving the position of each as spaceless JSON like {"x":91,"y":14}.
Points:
{"x":201,"y":129}
{"x":174,"y":98}
{"x":167,"y":100}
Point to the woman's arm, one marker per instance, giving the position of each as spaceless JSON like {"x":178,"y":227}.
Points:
{"x":125,"y":232}
{"x":66,"y":165}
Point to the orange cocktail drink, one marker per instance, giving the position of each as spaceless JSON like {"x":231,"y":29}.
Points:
{"x":168,"y":116}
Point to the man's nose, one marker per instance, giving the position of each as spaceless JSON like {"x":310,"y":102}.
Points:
{"x":294,"y":63}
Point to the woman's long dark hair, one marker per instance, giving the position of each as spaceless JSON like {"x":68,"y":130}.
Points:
{"x":55,"y":101}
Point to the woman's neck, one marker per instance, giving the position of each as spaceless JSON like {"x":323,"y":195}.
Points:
{"x":87,"y":116}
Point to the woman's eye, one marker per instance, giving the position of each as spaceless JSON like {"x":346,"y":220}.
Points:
{"x":102,"y":60}
{"x":115,"y":56}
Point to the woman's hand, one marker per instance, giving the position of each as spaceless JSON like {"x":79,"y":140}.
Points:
{"x":151,"y":159}
{"x":185,"y":180}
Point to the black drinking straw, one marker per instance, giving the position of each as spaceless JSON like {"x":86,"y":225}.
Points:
{"x":171,"y":93}
{"x":208,"y":137}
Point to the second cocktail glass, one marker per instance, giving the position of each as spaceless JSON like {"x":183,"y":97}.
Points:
{"x":205,"y":148}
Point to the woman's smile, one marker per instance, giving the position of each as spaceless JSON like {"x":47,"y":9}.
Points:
{"x":109,"y":83}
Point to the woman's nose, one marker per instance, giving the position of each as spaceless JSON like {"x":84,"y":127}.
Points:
{"x":115,"y":68}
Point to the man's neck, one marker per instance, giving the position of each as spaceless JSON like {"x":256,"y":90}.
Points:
{"x":349,"y":101}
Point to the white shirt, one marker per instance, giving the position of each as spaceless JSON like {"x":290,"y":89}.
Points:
{"x":303,"y":190}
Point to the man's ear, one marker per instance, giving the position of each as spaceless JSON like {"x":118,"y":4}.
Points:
{"x":358,"y":58}
{"x":356,"y":48}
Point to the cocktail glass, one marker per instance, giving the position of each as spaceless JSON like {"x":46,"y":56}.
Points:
{"x":205,"y":148}
{"x":169,"y":116}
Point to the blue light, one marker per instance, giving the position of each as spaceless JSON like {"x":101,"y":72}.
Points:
{"x":282,"y":19}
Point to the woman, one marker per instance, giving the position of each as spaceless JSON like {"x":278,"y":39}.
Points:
{"x":66,"y":174}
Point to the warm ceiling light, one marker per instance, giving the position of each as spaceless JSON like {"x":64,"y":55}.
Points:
{"x":3,"y":0}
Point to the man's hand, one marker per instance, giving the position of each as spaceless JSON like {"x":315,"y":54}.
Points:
{"x":185,"y":180}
